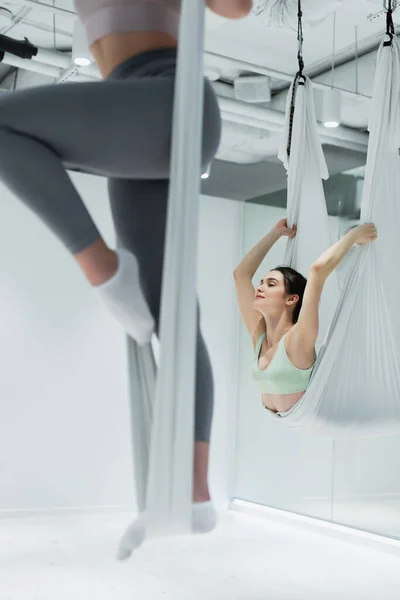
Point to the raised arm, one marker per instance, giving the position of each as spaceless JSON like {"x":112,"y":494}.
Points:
{"x":253,"y":259}
{"x":333,"y":256}
{"x":305,"y":332}
{"x":245,"y":272}
{"x":231,"y":9}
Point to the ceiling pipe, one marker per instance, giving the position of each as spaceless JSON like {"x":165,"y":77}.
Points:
{"x":36,"y":66}
{"x":64,"y":61}
{"x":51,"y":63}
{"x":53,"y":58}
{"x":30,"y":65}
{"x":273,"y":120}
{"x":278,"y":75}
{"x":268,"y":126}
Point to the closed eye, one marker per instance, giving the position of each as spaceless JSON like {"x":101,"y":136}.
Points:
{"x":269,"y":281}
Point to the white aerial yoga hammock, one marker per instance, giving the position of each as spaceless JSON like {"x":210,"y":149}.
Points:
{"x":355,"y":387}
{"x":163,"y":398}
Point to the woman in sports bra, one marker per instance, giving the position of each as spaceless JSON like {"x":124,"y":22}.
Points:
{"x":281,"y":315}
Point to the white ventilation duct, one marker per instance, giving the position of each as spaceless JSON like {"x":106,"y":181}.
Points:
{"x":273,"y":120}
{"x":51,"y":63}
{"x":283,"y":13}
{"x":31,"y":65}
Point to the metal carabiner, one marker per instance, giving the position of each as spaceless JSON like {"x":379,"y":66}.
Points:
{"x":390,"y":5}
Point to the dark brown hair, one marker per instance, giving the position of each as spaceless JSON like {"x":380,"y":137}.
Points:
{"x":295,"y":284}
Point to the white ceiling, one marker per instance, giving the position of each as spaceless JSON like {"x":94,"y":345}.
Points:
{"x":253,"y":41}
{"x":37,"y":23}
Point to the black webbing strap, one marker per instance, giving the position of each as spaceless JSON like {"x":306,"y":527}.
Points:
{"x":390,"y":31}
{"x":299,"y":79}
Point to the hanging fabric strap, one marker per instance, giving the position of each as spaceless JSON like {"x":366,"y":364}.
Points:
{"x":163,"y":391}
{"x":390,"y":31}
{"x":306,"y":205}
{"x":170,"y":481}
{"x":300,"y":39}
{"x":299,"y":79}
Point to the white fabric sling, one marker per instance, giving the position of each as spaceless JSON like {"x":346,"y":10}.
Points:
{"x":306,"y":199}
{"x":355,"y":387}
{"x":162,"y":400}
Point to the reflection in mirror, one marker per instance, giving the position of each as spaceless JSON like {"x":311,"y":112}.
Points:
{"x":337,"y":480}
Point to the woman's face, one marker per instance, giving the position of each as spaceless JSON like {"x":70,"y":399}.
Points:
{"x":271,"y":295}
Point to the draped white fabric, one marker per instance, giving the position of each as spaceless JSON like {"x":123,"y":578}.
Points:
{"x":162,"y":401}
{"x":306,"y":199}
{"x":355,"y":388}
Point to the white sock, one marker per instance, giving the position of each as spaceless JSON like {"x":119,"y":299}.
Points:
{"x":132,"y":538}
{"x":124,"y":298}
{"x":204,"y":519}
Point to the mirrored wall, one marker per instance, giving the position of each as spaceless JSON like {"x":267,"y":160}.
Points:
{"x":354,"y":481}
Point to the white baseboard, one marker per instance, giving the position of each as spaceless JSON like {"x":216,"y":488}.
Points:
{"x":346,"y":534}
{"x":384,"y":497}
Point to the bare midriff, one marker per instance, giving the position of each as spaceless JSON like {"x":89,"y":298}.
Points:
{"x":280,"y":403}
{"x":112,"y":50}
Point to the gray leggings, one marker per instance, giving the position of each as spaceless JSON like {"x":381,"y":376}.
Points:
{"x":119,"y":128}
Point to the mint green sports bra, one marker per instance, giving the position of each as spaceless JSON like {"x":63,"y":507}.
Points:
{"x":280,"y":377}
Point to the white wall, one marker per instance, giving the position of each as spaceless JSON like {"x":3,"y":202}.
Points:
{"x":64,"y":426}
{"x":219,"y":254}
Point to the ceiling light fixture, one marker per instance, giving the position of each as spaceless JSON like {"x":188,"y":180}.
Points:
{"x":207,"y":172}
{"x":81,"y":55}
{"x":331,"y":109}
